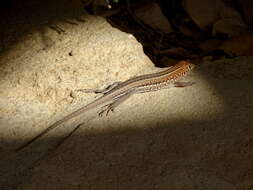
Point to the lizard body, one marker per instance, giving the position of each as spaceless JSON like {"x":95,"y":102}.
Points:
{"x":119,"y":92}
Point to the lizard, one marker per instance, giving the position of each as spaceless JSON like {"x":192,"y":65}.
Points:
{"x":118,"y":92}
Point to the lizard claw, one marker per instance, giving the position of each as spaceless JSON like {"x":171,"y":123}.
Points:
{"x":106,"y":109}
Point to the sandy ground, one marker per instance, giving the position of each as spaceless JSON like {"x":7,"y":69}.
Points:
{"x":199,"y":137}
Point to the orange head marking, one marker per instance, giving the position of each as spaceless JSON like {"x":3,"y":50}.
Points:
{"x":186,"y":64}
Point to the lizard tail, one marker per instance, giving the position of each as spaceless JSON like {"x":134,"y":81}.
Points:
{"x":66,"y":118}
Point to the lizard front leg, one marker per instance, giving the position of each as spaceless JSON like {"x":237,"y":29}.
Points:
{"x":183,"y":84}
{"x":101,"y":91}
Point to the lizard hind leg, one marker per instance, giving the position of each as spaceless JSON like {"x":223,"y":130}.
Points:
{"x":116,"y":102}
